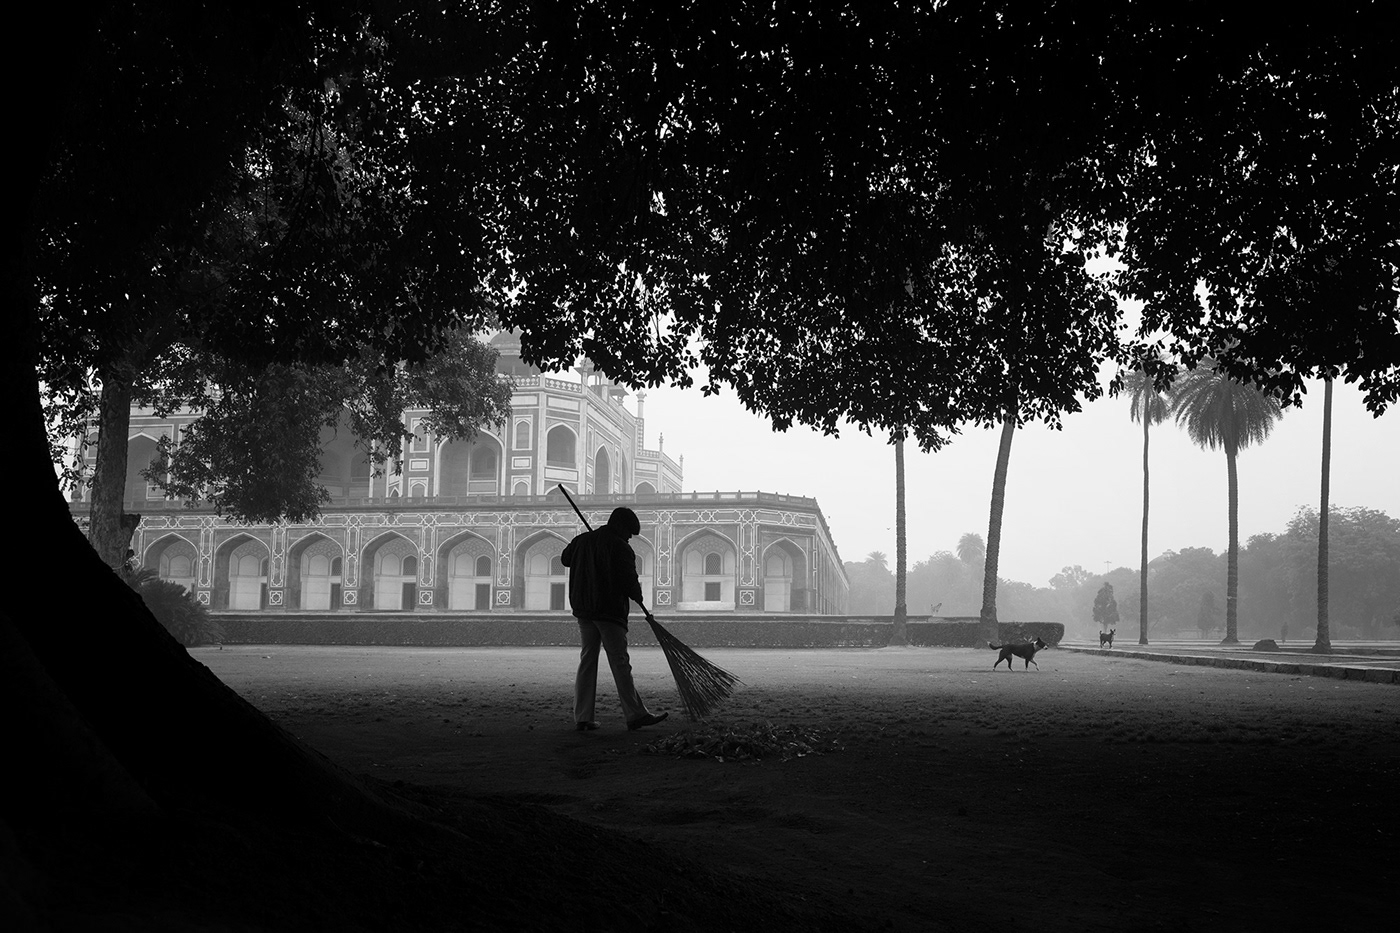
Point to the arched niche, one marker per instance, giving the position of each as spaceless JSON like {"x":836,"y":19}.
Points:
{"x":784,"y":573}
{"x":708,"y":563}
{"x":560,"y":448}
{"x":602,"y":472}
{"x":315,"y":567}
{"x":468,"y":563}
{"x":240,"y":574}
{"x":471,"y":469}
{"x":174,"y":559}
{"x":391,"y":583}
{"x":544,"y":576}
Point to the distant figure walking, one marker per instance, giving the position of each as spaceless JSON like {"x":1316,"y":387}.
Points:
{"x":602,"y":578}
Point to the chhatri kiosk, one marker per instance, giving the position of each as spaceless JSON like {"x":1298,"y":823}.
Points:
{"x":478,"y":527}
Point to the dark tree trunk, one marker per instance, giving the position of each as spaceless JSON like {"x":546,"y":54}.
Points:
{"x":900,"y":634}
{"x":989,"y":575}
{"x":114,"y":721}
{"x":1324,"y":626}
{"x":108,"y":532}
{"x":1142,"y":578}
{"x":136,"y":696}
{"x":1232,"y":560}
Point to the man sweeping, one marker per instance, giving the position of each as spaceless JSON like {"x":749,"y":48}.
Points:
{"x":602,"y":578}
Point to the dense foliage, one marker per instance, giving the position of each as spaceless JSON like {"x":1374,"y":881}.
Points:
{"x":1105,"y":607}
{"x":256,"y":451}
{"x":175,"y":608}
{"x":229,"y":230}
{"x":1278,"y":582}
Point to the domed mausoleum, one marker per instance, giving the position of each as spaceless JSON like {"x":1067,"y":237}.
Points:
{"x":478,"y":527}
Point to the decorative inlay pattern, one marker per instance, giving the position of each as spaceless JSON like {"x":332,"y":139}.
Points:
{"x":750,"y":525}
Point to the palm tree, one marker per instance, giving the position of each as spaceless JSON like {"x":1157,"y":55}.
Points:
{"x":971,"y":548}
{"x":900,"y":634}
{"x":993,"y":552}
{"x":1323,"y":644}
{"x":879,"y":559}
{"x":1149,"y":407}
{"x":1218,"y":412}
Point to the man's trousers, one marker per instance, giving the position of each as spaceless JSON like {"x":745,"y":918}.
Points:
{"x":609,"y":636}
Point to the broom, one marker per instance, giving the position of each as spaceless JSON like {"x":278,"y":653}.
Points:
{"x":702,"y":685}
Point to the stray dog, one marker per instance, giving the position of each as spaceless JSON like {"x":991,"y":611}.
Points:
{"x":1025,"y":652}
{"x":1106,"y":638}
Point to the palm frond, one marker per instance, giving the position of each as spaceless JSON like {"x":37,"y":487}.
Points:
{"x":1145,"y":402}
{"x":1218,"y":411}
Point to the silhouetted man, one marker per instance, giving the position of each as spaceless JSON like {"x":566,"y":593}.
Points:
{"x":602,"y":578}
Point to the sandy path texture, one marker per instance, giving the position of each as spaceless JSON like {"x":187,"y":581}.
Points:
{"x":1094,"y":793}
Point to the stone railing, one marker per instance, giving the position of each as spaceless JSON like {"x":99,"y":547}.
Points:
{"x":431,"y":503}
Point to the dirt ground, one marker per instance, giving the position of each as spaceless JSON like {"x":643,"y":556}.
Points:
{"x":1095,"y":793}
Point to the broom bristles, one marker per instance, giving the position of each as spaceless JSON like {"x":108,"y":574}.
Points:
{"x":702,"y":685}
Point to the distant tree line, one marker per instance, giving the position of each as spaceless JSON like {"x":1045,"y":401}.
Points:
{"x":1277,"y":581}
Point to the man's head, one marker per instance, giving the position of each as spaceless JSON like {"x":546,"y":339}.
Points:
{"x":624,"y":521}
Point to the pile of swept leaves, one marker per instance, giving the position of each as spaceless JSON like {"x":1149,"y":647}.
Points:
{"x":745,"y":742}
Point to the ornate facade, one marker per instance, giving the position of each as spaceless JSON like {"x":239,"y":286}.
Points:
{"x":479,"y":527}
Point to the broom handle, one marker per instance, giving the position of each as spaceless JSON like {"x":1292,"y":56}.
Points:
{"x":575,"y":505}
{"x":645,"y":611}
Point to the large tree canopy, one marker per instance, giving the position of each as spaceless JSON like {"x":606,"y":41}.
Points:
{"x":275,"y":279}
{"x":1262,"y":161}
{"x":869,"y":212}
{"x":817,"y":205}
{"x":841,"y":223}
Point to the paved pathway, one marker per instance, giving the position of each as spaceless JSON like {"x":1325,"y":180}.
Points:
{"x":1376,"y":662}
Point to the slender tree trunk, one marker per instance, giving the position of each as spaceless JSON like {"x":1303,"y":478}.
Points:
{"x":1232,"y":560}
{"x":900,"y":633}
{"x":1324,"y":627}
{"x":1142,"y":580}
{"x":108,"y":533}
{"x":989,"y":572}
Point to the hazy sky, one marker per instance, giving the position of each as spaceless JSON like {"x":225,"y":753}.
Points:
{"x":1073,"y":496}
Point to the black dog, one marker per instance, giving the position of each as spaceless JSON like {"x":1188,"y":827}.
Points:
{"x":1106,"y":638}
{"x":1025,"y":652}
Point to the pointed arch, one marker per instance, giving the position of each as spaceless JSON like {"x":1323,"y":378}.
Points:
{"x":240,"y":573}
{"x":314,"y":565}
{"x":142,"y":452}
{"x":543,"y":578}
{"x":784,"y":572}
{"x":602,"y":471}
{"x":346,"y":469}
{"x":174,"y":558}
{"x":646,"y":567}
{"x":561,"y":446}
{"x":386,"y":583}
{"x":474,"y":468}
{"x":707,"y":563}
{"x":467,"y":581}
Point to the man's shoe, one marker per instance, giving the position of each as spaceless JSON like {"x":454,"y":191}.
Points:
{"x":585,"y":726}
{"x":650,"y":719}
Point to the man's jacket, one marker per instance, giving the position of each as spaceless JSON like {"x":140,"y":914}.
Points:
{"x":602,"y":576}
